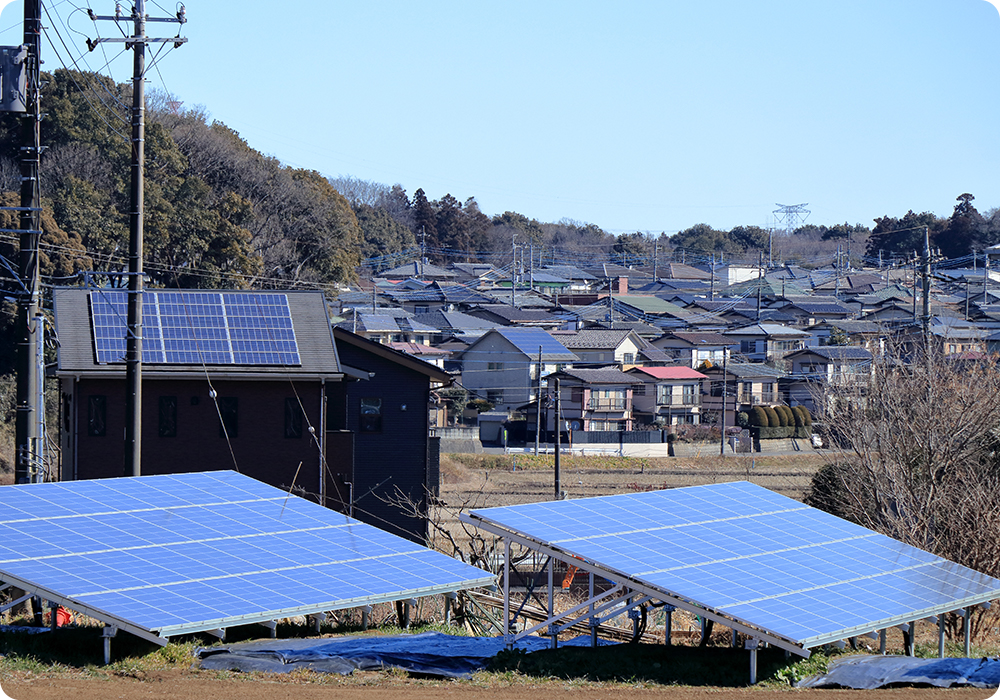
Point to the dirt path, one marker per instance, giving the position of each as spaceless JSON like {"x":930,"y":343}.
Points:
{"x":188,"y":684}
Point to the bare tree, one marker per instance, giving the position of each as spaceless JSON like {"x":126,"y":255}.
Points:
{"x":918,"y":455}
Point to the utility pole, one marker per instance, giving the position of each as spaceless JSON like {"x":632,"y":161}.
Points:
{"x":538,"y":403}
{"x":656,"y":249}
{"x":927,"y":287}
{"x":531,"y":264}
{"x":423,"y":250}
{"x":725,"y":396}
{"x":558,"y":484}
{"x":836,"y":292}
{"x":133,"y":338}
{"x":30,"y":409}
{"x":712,"y":293}
{"x":760,"y":282}
{"x":513,"y":268}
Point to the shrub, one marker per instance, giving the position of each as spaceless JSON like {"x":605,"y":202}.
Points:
{"x":800,"y":421}
{"x":773,"y":420}
{"x":759,"y":417}
{"x":743,"y":419}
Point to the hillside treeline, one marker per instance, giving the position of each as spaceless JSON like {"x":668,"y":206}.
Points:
{"x":220,"y":214}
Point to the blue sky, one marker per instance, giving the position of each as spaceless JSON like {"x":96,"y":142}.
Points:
{"x":650,"y":116}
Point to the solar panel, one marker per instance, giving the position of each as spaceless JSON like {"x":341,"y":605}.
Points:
{"x":165,"y":555}
{"x":529,"y":340}
{"x":754,"y":556}
{"x":185,"y":327}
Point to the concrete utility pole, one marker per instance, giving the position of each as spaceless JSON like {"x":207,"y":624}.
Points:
{"x":133,"y":338}
{"x":30,"y":409}
{"x":538,"y":403}
{"x":558,"y":427}
{"x":656,"y":249}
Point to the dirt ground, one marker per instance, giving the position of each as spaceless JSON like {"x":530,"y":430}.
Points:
{"x":173,"y":685}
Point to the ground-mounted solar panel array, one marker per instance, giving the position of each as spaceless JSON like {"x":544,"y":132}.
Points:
{"x":183,"y":327}
{"x":166,"y":555}
{"x":746,"y":554}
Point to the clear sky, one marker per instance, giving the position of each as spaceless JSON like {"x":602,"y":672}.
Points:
{"x":650,"y":116}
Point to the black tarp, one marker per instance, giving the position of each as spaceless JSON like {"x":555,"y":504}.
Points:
{"x":428,"y":653}
{"x":868,"y":672}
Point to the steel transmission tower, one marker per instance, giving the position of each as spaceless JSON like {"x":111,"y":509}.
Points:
{"x":792,"y":215}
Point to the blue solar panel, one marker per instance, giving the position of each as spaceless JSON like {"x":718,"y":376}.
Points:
{"x":189,"y":552}
{"x":529,"y":340}
{"x":184,"y":327}
{"x":754,"y":556}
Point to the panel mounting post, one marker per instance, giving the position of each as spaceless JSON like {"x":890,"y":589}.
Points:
{"x":107,"y":633}
{"x":752,"y":645}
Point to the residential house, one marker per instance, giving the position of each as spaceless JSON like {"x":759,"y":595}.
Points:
{"x":743,"y":385}
{"x":766,"y":342}
{"x":813,"y":368}
{"x":605,"y":347}
{"x":693,"y":348}
{"x":593,"y":399}
{"x":505,"y":366}
{"x":506,"y":315}
{"x":667,"y":395}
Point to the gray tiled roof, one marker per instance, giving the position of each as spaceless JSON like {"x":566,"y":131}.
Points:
{"x":601,"y":376}
{"x":594,"y":338}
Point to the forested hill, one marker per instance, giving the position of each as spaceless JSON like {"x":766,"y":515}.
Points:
{"x":220,"y":214}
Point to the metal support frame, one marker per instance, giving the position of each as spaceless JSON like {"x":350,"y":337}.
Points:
{"x":966,"y":631}
{"x":219,"y":632}
{"x":448,"y":598}
{"x":553,"y":630}
{"x":107,"y":633}
{"x":318,"y":619}
{"x":668,"y":619}
{"x":272,"y":626}
{"x":365,"y":612}
{"x":881,"y":641}
{"x":940,"y":636}
{"x":636,"y":586}
{"x":752,"y":645}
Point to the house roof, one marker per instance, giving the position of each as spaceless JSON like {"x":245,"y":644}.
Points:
{"x":651,"y":305}
{"x":307,"y":309}
{"x":594,"y":339}
{"x":843,"y":353}
{"x":750,"y":369}
{"x":600,"y":376}
{"x":417,"y":269}
{"x":700,"y":339}
{"x":342,"y":335}
{"x":456,"y":321}
{"x":511,"y":314}
{"x":670,"y":372}
{"x":767,"y":329}
{"x":569,"y":272}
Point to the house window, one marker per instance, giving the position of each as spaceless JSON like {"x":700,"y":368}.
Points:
{"x":688,"y":392}
{"x":495,"y":396}
{"x":229,"y":411}
{"x":97,"y":416}
{"x":421,"y":309}
{"x":293,"y":418}
{"x":168,"y":416}
{"x":371,"y":415}
{"x":494,"y":366}
{"x":663,"y":394}
{"x":639,"y":390}
{"x":628,"y":358}
{"x":748,"y":346}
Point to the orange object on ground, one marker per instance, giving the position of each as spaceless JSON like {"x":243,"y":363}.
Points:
{"x":63,"y":616}
{"x":568,"y":578}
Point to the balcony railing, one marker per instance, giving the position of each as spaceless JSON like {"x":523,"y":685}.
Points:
{"x":606,"y":404}
{"x":678,"y":401}
{"x":757,"y":398}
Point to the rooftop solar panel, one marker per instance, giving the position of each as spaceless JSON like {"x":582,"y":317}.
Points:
{"x":753,"y":556}
{"x":165,"y":555}
{"x":185,"y":327}
{"x":529,"y":340}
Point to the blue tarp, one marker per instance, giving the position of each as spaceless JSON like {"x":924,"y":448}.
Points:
{"x":429,"y":653}
{"x":868,"y":672}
